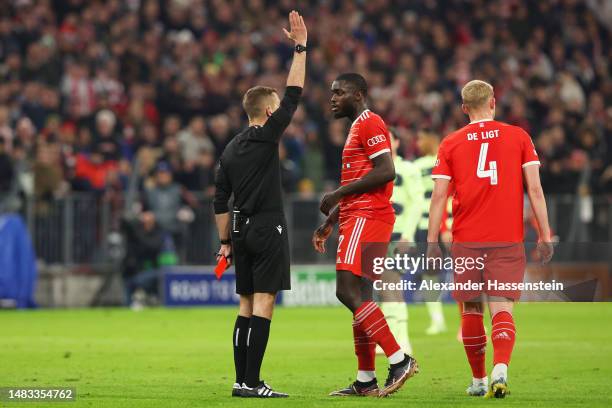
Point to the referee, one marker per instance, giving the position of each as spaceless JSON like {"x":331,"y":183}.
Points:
{"x":256,"y":230}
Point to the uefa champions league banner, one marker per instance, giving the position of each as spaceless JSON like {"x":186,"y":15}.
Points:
{"x":311,"y":285}
{"x":198,"y":286}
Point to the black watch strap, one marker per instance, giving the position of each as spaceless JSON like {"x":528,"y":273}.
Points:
{"x":300,"y":48}
{"x":226,"y":241}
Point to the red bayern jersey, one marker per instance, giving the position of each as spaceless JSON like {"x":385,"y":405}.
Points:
{"x":485,"y":161}
{"x":367,"y":139}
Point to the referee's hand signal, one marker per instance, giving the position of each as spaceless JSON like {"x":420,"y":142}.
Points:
{"x":298,"y":31}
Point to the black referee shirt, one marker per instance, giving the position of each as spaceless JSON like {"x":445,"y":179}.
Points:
{"x":250,"y":167}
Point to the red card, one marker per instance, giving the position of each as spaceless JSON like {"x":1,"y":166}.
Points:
{"x":221,"y":267}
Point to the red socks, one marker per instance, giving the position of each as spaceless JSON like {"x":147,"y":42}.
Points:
{"x":370,"y":320}
{"x":502,"y":336}
{"x":365,"y":349}
{"x":474,"y":342}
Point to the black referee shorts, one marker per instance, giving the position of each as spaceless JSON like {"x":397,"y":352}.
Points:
{"x":261,"y":254}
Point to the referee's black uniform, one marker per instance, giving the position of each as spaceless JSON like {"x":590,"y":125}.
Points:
{"x":250,"y":169}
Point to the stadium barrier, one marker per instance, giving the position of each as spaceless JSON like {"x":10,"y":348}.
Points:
{"x":78,"y":229}
{"x":78,"y":249}
{"x":311,"y":285}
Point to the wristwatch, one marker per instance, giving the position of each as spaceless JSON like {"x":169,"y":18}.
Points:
{"x":225,"y":241}
{"x":299,"y":48}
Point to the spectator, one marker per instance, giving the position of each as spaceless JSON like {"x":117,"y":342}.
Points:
{"x":198,"y":175}
{"x":7,"y":173}
{"x":92,"y":172}
{"x":6,"y":131}
{"x":289,"y":170}
{"x":220,"y":132}
{"x":106,"y":139}
{"x":165,"y":199}
{"x":49,"y":180}
{"x":115,"y":70}
{"x":143,"y":244}
{"x":193,"y":139}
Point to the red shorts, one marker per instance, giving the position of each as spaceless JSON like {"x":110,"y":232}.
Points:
{"x":495,"y":269}
{"x":352,"y":234}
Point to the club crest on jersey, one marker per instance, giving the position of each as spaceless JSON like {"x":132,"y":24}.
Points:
{"x":280,"y":229}
{"x":373,"y":141}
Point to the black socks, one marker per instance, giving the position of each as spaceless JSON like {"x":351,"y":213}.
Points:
{"x":239,"y":342}
{"x":257,"y":340}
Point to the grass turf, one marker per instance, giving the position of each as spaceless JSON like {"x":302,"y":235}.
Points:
{"x":183,"y":357}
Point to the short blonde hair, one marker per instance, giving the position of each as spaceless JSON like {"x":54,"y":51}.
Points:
{"x":255,"y":99}
{"x":476,"y":93}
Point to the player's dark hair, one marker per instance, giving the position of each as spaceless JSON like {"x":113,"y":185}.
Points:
{"x":356,"y":80}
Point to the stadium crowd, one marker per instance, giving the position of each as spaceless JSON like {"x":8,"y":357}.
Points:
{"x":93,"y":91}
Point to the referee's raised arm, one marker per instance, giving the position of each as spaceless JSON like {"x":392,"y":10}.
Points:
{"x":280,"y":119}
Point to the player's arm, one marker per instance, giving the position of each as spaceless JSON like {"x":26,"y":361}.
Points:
{"x":223,"y":192}
{"x":538,"y":205}
{"x":280,"y":119}
{"x":382,"y":173}
{"x":333,"y":216}
{"x":437,"y":207}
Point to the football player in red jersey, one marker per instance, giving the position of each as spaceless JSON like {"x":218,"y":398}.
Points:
{"x":488,"y":162}
{"x":362,"y":208}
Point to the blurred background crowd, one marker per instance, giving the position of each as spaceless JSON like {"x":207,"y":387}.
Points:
{"x":109,"y":105}
{"x":93,"y":91}
{"x":139,"y":97}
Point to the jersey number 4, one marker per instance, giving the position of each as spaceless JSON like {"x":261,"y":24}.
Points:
{"x":482,"y":159}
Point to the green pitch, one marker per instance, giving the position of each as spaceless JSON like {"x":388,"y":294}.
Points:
{"x":183,"y":358}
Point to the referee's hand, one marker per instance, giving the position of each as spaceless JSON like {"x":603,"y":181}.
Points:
{"x":320,"y":236}
{"x":226,"y":251}
{"x":298,"y":31}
